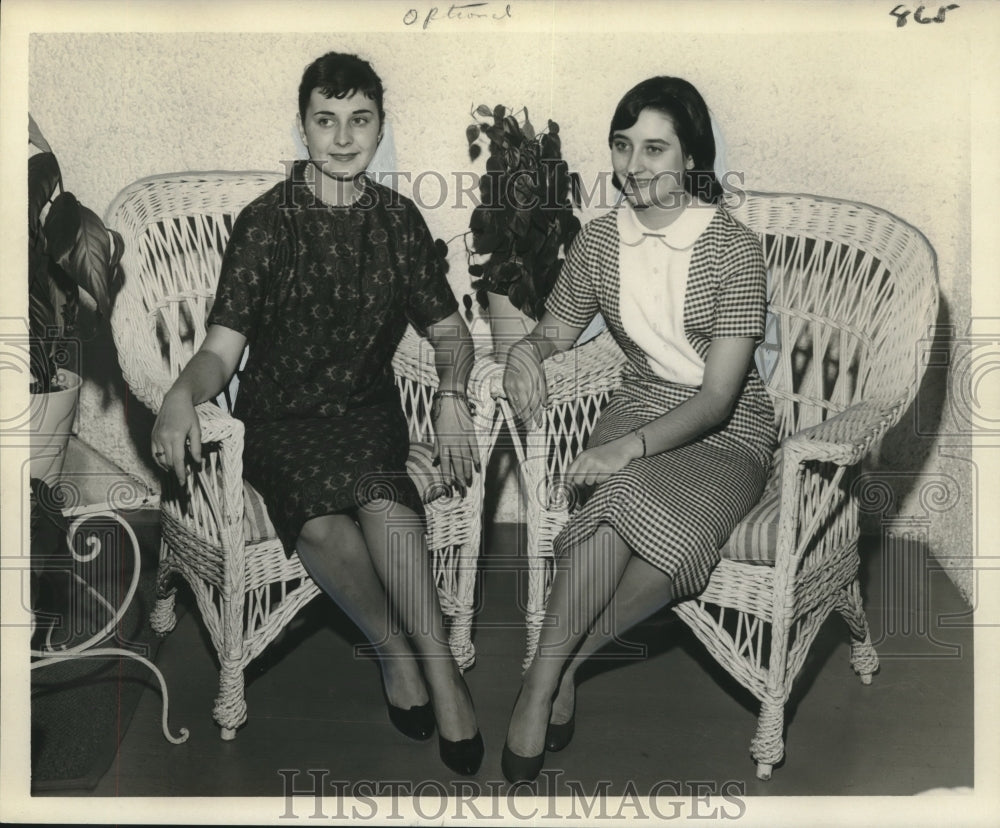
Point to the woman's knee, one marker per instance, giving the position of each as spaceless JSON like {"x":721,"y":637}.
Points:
{"x":607,"y":540}
{"x":388,"y":517}
{"x":325,"y":533}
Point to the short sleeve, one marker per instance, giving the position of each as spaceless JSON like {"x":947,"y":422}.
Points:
{"x":239,"y":297}
{"x":430,"y":298}
{"x":574,"y":297}
{"x":742,"y":305}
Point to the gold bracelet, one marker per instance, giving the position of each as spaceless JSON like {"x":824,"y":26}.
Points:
{"x":535,"y":347}
{"x":458,"y":395}
{"x":642,"y":438}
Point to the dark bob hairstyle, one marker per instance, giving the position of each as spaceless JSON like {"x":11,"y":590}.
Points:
{"x":687,"y":110}
{"x":339,"y":75}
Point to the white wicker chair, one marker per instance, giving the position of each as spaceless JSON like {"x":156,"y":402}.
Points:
{"x":219,"y":537}
{"x":853,"y":290}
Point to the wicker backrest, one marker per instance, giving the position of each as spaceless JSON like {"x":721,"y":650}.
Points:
{"x":176,"y":227}
{"x":853,"y":291}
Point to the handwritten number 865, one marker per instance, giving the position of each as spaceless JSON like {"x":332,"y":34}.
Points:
{"x":918,"y":15}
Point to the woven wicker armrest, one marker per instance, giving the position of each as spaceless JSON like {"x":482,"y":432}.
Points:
{"x":485,"y":383}
{"x":218,"y":425}
{"x":845,"y":438}
{"x":811,"y":495}
{"x":589,"y":369}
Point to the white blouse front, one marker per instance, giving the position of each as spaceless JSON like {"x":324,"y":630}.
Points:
{"x":653,"y":272}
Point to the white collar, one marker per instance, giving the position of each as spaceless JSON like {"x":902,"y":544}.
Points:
{"x":680,"y":234}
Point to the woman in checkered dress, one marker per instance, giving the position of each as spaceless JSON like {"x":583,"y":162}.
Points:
{"x":682,"y":450}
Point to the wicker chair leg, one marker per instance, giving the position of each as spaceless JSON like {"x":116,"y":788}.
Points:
{"x":541,"y":572}
{"x":230,"y":706}
{"x":460,"y":640}
{"x":864,"y":659}
{"x":460,"y":632}
{"x":163,"y":618}
{"x":768,"y":746}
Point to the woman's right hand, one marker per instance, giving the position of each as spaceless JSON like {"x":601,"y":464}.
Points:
{"x":524,"y":382}
{"x":175,"y":432}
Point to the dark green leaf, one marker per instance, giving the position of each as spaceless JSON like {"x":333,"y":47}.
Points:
{"x":498,"y":112}
{"x":522,"y":219}
{"x":517,"y":294}
{"x":475,"y":151}
{"x":41,"y":312}
{"x":476,"y":270}
{"x":472,"y":133}
{"x":575,"y":187}
{"x":527,"y":128}
{"x":35,"y":136}
{"x":44,"y":179}
{"x":81,"y":245}
{"x":483,"y":111}
{"x":570,"y":231}
{"x":553,"y":128}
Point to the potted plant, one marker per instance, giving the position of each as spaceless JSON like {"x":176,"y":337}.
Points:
{"x":69,"y":251}
{"x":524,"y":222}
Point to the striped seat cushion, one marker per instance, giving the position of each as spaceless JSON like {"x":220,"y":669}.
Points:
{"x":755,"y":538}
{"x":420,"y":466}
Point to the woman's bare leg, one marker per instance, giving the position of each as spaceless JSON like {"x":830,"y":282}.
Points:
{"x":579,"y":593}
{"x":395,"y":538}
{"x":642,"y":590}
{"x":334,"y":552}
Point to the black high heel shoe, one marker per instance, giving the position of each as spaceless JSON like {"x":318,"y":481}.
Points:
{"x":518,"y":768}
{"x":558,"y":736}
{"x":464,"y":756}
{"x":416,"y":722}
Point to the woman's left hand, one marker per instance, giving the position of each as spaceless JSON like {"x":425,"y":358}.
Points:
{"x":455,"y":442}
{"x":595,"y":465}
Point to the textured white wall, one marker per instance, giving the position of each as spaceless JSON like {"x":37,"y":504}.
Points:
{"x":868,"y":117}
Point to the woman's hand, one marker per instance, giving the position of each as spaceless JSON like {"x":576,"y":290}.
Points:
{"x":176,"y":431}
{"x":455,"y":441}
{"x":524,"y":382}
{"x":595,"y":465}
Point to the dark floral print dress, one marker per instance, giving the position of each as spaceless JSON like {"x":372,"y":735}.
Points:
{"x":323,"y":295}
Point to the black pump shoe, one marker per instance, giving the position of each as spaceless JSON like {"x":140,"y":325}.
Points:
{"x":464,"y":756}
{"x":557,"y":736}
{"x":416,"y":722}
{"x":520,"y":768}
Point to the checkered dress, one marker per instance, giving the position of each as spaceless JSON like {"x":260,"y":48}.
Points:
{"x":675,"y":509}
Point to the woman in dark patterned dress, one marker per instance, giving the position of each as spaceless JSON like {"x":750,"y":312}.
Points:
{"x":682,"y":450}
{"x":320,"y":276}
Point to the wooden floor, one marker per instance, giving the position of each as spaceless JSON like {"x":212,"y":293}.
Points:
{"x":670,"y":716}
